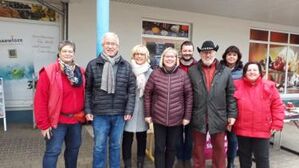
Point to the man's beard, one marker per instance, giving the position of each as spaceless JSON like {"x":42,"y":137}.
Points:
{"x":209,"y":62}
{"x":190,"y":56}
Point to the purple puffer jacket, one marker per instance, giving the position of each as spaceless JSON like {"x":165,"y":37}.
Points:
{"x":168,"y":97}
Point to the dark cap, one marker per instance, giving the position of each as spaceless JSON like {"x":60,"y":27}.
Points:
{"x":208,"y":45}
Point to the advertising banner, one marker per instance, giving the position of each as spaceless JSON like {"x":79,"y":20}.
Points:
{"x":24,"y":48}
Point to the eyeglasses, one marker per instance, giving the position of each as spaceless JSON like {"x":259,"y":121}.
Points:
{"x":110,"y":44}
{"x":67,"y":51}
{"x":142,"y":54}
{"x":169,"y":56}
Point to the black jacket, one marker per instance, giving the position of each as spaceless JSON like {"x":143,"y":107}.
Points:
{"x":99,"y":102}
{"x":215,"y":107}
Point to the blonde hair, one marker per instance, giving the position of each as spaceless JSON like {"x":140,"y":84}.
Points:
{"x":141,"y":49}
{"x":169,"y":50}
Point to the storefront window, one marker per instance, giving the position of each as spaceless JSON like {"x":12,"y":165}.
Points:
{"x":278,"y":56}
{"x":260,"y":35}
{"x":158,"y":35}
{"x":294,"y":39}
{"x":279,"y":37}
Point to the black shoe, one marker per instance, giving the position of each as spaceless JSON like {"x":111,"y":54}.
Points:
{"x":179,"y":164}
{"x":128,"y":163}
{"x":187,"y":164}
{"x":230,"y":165}
{"x":230,"y":162}
{"x":140,"y":162}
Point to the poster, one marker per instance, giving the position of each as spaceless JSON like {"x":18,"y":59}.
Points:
{"x":24,"y":49}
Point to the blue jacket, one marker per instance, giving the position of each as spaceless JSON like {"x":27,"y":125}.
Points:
{"x":237,"y":72}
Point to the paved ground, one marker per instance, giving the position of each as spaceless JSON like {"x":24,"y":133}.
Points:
{"x":22,"y":147}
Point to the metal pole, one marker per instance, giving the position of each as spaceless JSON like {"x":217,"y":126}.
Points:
{"x":66,"y":16}
{"x":102,"y":22}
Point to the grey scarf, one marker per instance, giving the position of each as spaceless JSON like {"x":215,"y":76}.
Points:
{"x":108,"y":77}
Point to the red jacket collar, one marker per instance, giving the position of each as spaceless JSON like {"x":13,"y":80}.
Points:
{"x":248,"y":82}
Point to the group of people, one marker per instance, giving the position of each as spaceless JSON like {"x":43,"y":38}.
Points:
{"x":183,"y":99}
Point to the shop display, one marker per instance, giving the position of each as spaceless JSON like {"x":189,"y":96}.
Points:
{"x":158,"y":35}
{"x":28,"y":11}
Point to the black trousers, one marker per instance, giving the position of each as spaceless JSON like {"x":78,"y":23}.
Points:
{"x":127,"y":144}
{"x":165,"y":145}
{"x":259,"y":147}
{"x":184,"y":143}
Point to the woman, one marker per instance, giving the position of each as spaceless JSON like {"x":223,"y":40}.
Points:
{"x":142,"y":70}
{"x":58,"y":100}
{"x":261,"y":113}
{"x":232,"y":59}
{"x":168,"y":104}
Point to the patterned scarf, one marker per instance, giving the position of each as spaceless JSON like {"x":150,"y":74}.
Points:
{"x":72,"y":72}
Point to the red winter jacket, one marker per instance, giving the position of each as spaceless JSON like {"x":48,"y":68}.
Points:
{"x":168,"y":97}
{"x":260,"y":108}
{"x":54,"y":94}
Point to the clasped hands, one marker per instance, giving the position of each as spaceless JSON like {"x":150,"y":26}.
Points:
{"x":149,"y":120}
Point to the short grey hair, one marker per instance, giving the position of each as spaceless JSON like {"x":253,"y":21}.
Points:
{"x":66,"y":43}
{"x":110,"y":34}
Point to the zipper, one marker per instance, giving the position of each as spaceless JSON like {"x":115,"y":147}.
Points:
{"x":168,"y":95}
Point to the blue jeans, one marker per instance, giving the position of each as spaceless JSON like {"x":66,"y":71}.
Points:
{"x":232,"y":146}
{"x":71,"y":135}
{"x":184,"y":144}
{"x":104,"y":127}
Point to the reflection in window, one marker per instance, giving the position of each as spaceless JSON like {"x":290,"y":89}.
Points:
{"x":293,"y":70}
{"x":279,"y":37}
{"x":260,"y":35}
{"x":294,"y":39}
{"x":257,"y":53}
{"x":277,"y":65}
{"x":278,"y":57}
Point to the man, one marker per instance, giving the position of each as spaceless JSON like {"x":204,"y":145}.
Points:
{"x":214,"y":108}
{"x":184,"y":146}
{"x":187,"y":59}
{"x":109,"y":100}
